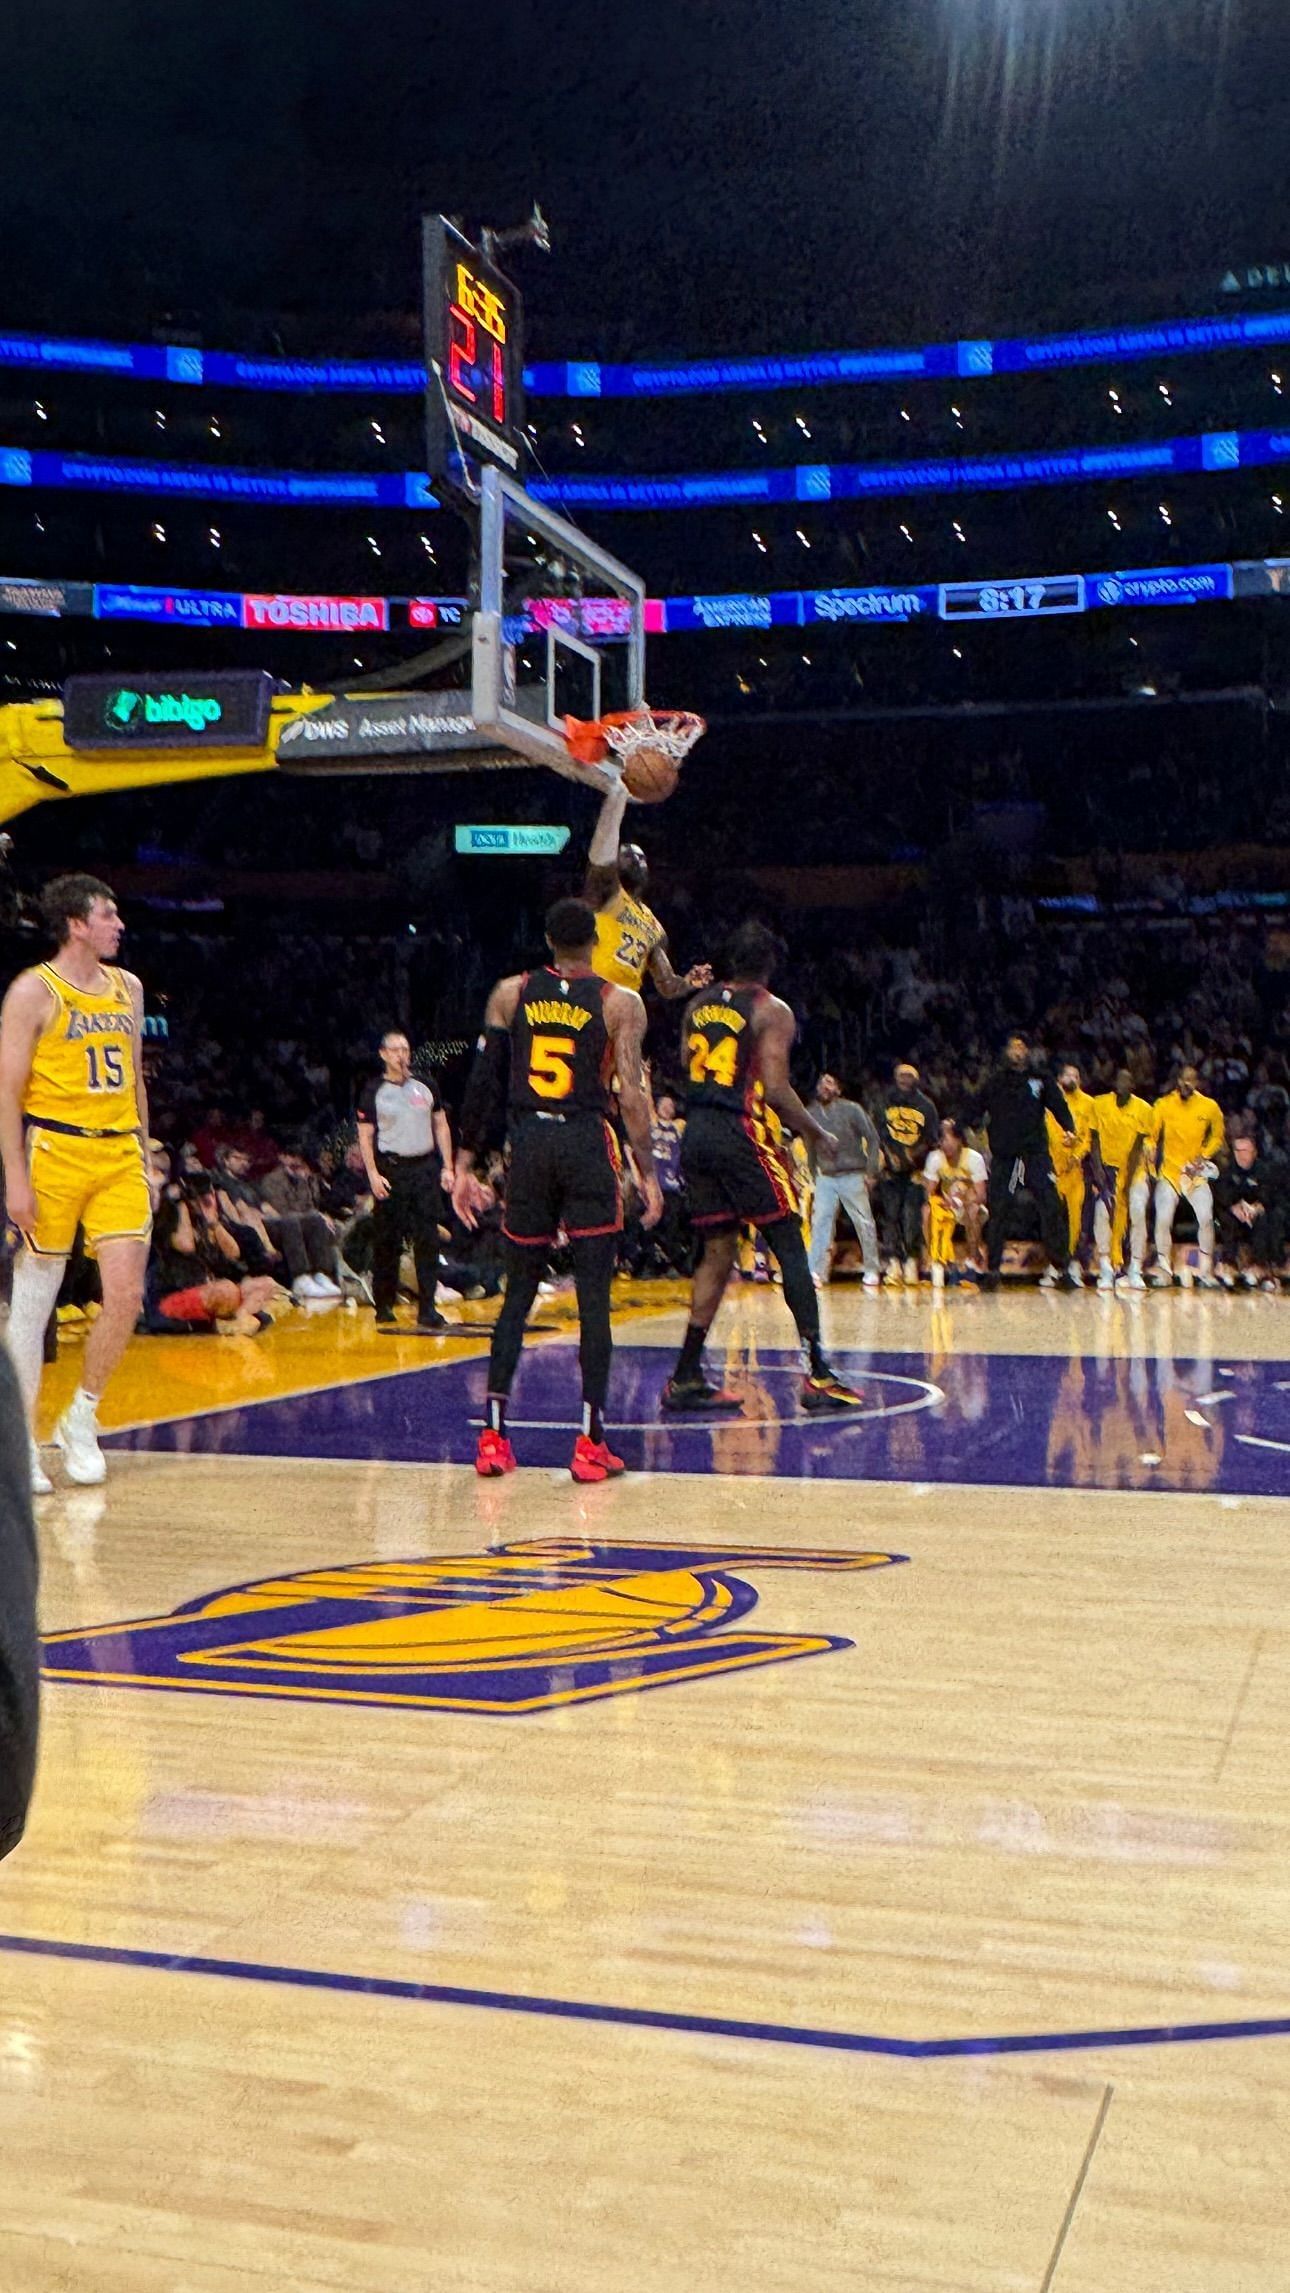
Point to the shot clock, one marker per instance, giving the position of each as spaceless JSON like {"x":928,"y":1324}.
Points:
{"x":475,"y":356}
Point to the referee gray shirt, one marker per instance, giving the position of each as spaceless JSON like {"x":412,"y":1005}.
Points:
{"x":402,"y":1115}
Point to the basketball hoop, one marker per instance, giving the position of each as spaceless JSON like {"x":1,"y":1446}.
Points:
{"x":630,"y":732}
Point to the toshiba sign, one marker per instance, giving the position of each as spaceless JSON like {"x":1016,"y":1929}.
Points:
{"x":315,"y":612}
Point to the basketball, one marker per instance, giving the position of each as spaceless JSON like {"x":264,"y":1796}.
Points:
{"x":649,"y":775}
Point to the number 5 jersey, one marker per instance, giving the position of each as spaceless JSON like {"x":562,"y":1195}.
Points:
{"x":562,"y":1059}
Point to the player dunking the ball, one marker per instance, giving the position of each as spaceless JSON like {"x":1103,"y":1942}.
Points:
{"x":564,"y":1035}
{"x":73,"y":1120}
{"x":736,"y":1041}
{"x":630,"y":940}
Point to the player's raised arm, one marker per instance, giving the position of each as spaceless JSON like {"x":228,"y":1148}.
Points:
{"x":776,"y":1029}
{"x":673,"y":984}
{"x":602,"y":859}
{"x":23,"y":1015}
{"x":626,"y":1022}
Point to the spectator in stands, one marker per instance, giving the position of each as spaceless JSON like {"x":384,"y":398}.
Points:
{"x":261,"y":1147}
{"x":196,"y":1280}
{"x":472,"y":1262}
{"x":213,"y":1134}
{"x":289,"y":1196}
{"x":1250,"y":1205}
{"x":906,"y":1136}
{"x":669,"y":1248}
{"x":955,"y":1177}
{"x":843,"y":1176}
{"x":293,"y":1247}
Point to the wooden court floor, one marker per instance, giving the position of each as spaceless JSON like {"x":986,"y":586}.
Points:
{"x":832,"y":1856}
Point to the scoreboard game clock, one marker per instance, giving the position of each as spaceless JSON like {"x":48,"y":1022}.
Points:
{"x":1012,"y":600}
{"x":475,"y":356}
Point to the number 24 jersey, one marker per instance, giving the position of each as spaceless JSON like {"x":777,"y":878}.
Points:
{"x":721,"y":1049}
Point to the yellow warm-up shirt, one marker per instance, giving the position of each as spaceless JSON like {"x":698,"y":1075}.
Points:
{"x":1069,"y":1149}
{"x":627,"y":933}
{"x":1119,"y":1127}
{"x":82,"y":1070}
{"x":1186,"y":1130}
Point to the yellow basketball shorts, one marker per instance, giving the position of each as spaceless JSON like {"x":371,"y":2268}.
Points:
{"x":95,"y":1183}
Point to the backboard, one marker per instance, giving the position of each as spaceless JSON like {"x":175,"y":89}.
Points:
{"x":559,"y":630}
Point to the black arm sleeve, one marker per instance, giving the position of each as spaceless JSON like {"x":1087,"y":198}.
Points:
{"x":483,"y":1109}
{"x":19,"y":1647}
{"x":1055,"y":1102}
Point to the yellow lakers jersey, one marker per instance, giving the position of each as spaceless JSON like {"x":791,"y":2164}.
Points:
{"x":82,"y":1071}
{"x":1119,"y":1127}
{"x":627,"y":933}
{"x":1186,"y":1131}
{"x":1068,"y":1151}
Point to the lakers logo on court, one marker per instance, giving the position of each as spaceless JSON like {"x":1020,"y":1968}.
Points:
{"x":534,"y":1625}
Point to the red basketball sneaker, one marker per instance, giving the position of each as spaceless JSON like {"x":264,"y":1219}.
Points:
{"x":594,"y":1460}
{"x":494,"y":1455}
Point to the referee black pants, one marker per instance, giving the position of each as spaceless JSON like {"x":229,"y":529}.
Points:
{"x":410,"y":1213}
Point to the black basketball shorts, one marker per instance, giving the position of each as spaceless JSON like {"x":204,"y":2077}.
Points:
{"x":565,"y":1177}
{"x":734,"y":1174}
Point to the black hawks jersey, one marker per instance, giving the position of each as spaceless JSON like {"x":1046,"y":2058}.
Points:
{"x":721,"y":1049}
{"x":562,"y":1058}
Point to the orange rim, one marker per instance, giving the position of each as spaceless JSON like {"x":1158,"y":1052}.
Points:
{"x":590,"y":742}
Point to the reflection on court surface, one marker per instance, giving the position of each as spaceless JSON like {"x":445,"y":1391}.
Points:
{"x":954,"y":1956}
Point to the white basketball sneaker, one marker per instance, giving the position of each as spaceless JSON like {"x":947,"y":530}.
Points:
{"x":41,"y":1485}
{"x":77,"y":1435}
{"x":1134,"y":1279}
{"x":1106,"y":1276}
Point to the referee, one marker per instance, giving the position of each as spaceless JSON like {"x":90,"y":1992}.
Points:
{"x":406,"y":1146}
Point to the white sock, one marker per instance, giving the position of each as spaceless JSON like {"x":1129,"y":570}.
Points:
{"x":83,"y":1400}
{"x":36,"y":1284}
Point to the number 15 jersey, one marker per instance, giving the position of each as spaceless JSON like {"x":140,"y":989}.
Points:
{"x":82,"y":1070}
{"x":562,"y":1055}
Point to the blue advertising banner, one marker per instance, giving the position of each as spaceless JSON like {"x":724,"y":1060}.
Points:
{"x":1011,"y":597}
{"x":589,"y":378}
{"x":196,"y":608}
{"x":849,"y":481}
{"x":198,"y":481}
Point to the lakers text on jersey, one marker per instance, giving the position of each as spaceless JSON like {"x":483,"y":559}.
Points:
{"x":627,"y":933}
{"x":81,"y":1111}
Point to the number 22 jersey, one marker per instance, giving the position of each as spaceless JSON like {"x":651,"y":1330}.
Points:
{"x":562,"y":1056}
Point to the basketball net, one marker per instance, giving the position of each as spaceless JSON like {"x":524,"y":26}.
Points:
{"x":669,"y":732}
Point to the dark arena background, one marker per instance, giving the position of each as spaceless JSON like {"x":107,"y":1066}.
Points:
{"x":406,"y":424}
